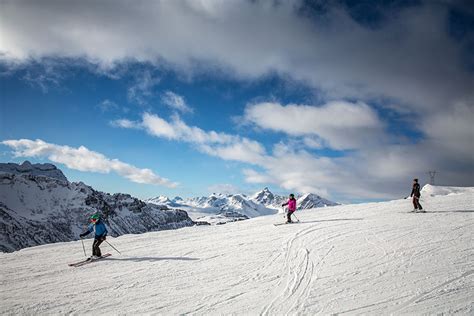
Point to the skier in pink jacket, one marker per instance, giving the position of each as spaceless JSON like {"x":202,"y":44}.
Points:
{"x":291,"y":207}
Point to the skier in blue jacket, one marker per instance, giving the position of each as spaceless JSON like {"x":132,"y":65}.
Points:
{"x":98,"y":226}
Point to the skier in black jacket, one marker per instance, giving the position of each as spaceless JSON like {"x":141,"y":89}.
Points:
{"x":416,"y":194}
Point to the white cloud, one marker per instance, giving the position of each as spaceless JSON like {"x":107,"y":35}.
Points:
{"x":157,"y":126}
{"x":243,"y":150}
{"x":342,"y":125}
{"x":453,"y":130}
{"x":313,"y":143}
{"x":381,"y":163}
{"x":370,"y":173}
{"x":124,"y":123}
{"x":83,"y":159}
{"x":253,"y":176}
{"x":225,"y":146}
{"x":175,"y":102}
{"x":338,"y":178}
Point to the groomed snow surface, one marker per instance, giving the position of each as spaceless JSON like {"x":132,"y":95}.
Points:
{"x":353,"y":259}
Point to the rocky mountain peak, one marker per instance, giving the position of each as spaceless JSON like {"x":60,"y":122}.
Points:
{"x":311,"y":200}
{"x":38,"y":169}
{"x":265,"y":196}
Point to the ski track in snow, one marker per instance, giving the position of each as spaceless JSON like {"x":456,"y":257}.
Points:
{"x":352,"y":259}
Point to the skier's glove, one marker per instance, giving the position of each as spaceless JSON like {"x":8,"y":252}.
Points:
{"x":82,"y":235}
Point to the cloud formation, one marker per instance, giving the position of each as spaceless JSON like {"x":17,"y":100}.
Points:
{"x":342,"y":125}
{"x":223,"y":145}
{"x":83,"y":159}
{"x":329,"y":50}
{"x":175,"y":102}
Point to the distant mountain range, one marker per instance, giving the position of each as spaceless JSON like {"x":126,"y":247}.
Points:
{"x":220,"y":208}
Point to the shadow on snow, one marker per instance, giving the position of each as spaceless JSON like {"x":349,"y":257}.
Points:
{"x":140,"y":259}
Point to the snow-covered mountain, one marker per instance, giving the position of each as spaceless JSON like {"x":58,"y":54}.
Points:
{"x":363,"y":259}
{"x":216,"y":208}
{"x":164,"y":200}
{"x":37,"y":209}
{"x":220,"y":208}
{"x":232,"y":202}
{"x":303,"y":202}
{"x":38,"y":169}
{"x":310,"y":200}
{"x":267,"y":198}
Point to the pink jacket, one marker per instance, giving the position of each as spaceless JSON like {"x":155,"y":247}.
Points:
{"x":291,"y":205}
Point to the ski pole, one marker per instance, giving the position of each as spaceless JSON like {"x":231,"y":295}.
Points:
{"x":113,"y":247}
{"x":83,"y":248}
{"x":295,"y":216}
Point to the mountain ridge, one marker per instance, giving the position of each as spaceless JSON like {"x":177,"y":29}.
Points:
{"x":38,"y":169}
{"x":263,"y":202}
{"x":36,"y":209}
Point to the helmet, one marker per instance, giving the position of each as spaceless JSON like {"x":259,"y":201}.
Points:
{"x":94,"y":218}
{"x":292,"y":195}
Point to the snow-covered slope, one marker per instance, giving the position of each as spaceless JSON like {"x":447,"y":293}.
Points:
{"x":373,"y":259}
{"x":432,"y":190}
{"x":36,"y":209}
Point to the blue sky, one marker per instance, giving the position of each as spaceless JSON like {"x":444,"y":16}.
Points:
{"x":347,"y":101}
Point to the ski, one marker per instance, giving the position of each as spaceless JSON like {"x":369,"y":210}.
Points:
{"x":285,"y":223}
{"x":88,"y":260}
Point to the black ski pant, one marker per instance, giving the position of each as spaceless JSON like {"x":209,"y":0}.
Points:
{"x":288,"y":216}
{"x":96,"y":244}
{"x":416,"y":203}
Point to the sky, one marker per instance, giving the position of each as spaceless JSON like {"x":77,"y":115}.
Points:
{"x":350,"y":100}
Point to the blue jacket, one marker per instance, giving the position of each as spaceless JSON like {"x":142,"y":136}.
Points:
{"x":100,"y":229}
